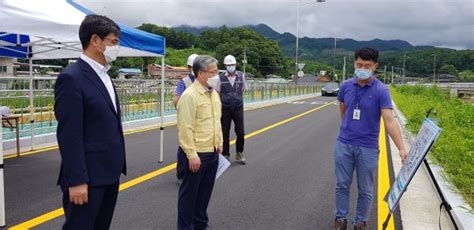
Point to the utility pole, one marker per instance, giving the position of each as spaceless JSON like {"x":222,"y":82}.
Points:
{"x":384,"y":74}
{"x":404,"y":60}
{"x":434,"y":69}
{"x":401,"y":74}
{"x":344,"y":70}
{"x":245,"y":58}
{"x":392,"y":74}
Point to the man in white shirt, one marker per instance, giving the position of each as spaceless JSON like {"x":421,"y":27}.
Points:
{"x":90,"y":134}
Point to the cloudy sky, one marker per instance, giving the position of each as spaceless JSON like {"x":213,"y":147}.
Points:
{"x":443,"y":23}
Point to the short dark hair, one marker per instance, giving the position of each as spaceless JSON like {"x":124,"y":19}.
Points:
{"x":367,"y":54}
{"x":96,"y":24}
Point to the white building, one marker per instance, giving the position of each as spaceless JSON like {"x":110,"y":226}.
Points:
{"x":7,"y":66}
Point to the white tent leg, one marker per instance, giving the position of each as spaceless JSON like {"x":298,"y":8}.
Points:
{"x":2,"y":185}
{"x":162,"y":107}
{"x":32,"y":112}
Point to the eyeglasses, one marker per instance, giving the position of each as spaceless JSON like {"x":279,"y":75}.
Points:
{"x":212,"y":72}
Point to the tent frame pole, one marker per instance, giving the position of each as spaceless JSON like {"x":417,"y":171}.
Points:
{"x":162,"y":108}
{"x":32,"y":108}
{"x":2,"y":182}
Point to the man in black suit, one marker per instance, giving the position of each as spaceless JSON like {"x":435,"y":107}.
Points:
{"x":90,"y":134}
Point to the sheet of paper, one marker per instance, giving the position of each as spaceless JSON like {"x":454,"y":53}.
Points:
{"x":223,"y":165}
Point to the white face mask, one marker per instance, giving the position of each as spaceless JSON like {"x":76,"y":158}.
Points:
{"x":213,"y":81}
{"x":363,"y":74}
{"x":111,"y":53}
{"x":231,"y":68}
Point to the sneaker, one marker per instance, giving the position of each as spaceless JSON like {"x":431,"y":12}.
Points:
{"x":340,"y":224}
{"x":240,"y":158}
{"x":360,"y":226}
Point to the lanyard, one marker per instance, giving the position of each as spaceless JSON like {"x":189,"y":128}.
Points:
{"x":359,"y":95}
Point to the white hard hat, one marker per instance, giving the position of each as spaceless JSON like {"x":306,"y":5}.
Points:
{"x":191,"y":59}
{"x":229,"y":60}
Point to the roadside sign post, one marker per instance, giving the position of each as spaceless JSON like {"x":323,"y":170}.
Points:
{"x":300,"y":73}
{"x":424,"y":140}
{"x":301,"y":66}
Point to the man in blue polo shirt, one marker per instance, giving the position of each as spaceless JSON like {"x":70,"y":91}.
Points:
{"x":362,"y":101}
{"x":186,"y":81}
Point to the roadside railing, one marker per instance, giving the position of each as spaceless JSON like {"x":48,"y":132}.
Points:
{"x":139,"y":99}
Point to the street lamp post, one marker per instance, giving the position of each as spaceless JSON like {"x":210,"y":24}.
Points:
{"x":298,"y":32}
{"x":297,"y":38}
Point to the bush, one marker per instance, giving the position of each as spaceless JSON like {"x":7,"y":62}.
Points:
{"x":454,"y":149}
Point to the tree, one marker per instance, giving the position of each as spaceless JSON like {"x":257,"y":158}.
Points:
{"x":448,"y":69}
{"x":178,"y":57}
{"x":174,"y":39}
{"x":466,"y":75}
{"x":420,"y":61}
{"x":263,"y":55}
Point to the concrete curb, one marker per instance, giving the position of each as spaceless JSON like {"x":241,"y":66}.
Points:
{"x":461,"y":210}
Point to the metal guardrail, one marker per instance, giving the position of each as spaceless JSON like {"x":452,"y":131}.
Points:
{"x":458,"y":85}
{"x":464,"y":90}
{"x":467,"y":86}
{"x":459,"y":89}
{"x":15,"y":93}
{"x":140,"y":99}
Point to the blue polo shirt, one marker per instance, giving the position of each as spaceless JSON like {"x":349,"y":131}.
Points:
{"x":181,"y":87}
{"x":371,"y":98}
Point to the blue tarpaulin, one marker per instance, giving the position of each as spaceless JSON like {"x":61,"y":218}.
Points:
{"x":31,"y":29}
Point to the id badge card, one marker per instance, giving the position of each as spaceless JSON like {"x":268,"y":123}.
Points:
{"x":356,"y":114}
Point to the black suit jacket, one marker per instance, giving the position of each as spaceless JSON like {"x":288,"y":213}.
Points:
{"x":89,"y":133}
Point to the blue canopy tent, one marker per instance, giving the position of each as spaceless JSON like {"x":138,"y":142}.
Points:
{"x":50,"y":30}
{"x":8,"y":47}
{"x":35,"y":30}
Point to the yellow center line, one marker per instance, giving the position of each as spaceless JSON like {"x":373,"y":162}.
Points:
{"x":383,"y":181}
{"x":13,"y":155}
{"x":146,"y":177}
{"x":59,"y":212}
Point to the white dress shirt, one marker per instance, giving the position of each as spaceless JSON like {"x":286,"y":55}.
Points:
{"x":102,"y":72}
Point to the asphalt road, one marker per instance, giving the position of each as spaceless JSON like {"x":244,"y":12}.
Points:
{"x":288,"y":182}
